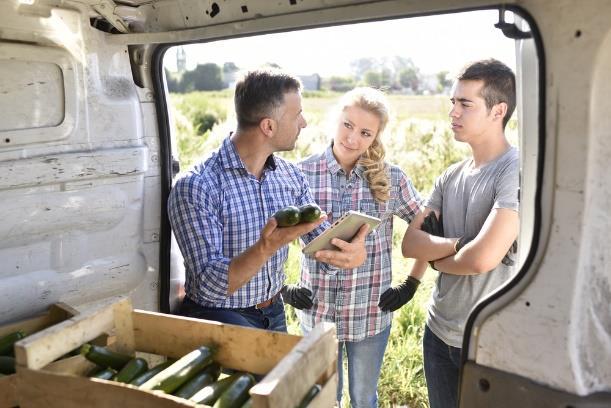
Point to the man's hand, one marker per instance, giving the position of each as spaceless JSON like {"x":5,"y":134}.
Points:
{"x":432,"y":225}
{"x":274,"y":237}
{"x":296,"y":296}
{"x":393,"y":298}
{"x":349,"y":255}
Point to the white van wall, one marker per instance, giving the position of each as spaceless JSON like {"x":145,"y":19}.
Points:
{"x":78,"y":167}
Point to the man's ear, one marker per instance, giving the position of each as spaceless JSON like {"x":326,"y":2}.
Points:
{"x":499,"y":111}
{"x":267,"y":126}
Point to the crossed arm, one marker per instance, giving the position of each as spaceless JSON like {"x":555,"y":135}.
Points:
{"x":480,"y":255}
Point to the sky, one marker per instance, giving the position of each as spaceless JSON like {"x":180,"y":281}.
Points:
{"x":433,"y":43}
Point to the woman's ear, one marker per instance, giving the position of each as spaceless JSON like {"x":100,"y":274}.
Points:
{"x":267,"y":126}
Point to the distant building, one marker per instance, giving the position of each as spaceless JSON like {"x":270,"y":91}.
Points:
{"x":181,"y":59}
{"x":230,"y":78}
{"x":310,"y":82}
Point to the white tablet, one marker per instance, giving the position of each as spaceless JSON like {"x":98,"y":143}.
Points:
{"x":345,"y":228}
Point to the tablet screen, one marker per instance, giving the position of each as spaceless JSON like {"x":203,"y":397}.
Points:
{"x":345,"y":228}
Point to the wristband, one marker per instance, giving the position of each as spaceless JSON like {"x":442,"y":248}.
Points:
{"x":458,"y":245}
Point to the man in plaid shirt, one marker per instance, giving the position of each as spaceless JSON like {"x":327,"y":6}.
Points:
{"x":220,"y":211}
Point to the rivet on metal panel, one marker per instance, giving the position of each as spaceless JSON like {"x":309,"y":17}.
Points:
{"x":149,"y":96}
{"x":154,"y":158}
{"x":155,"y":237}
{"x":483,"y":385}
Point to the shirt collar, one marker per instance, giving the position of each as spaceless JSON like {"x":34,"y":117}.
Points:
{"x":231,"y":159}
{"x":334,"y":166}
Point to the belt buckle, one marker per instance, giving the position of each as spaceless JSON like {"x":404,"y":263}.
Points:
{"x":266,"y":303}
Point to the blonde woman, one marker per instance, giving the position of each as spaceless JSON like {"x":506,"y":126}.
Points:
{"x":351,"y":174}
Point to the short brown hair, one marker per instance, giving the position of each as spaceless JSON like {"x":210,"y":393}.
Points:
{"x":499,"y":83}
{"x":259,"y":93}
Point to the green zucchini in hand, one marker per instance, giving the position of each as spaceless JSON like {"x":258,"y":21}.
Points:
{"x":287,"y":217}
{"x":177,"y":374}
{"x":104,"y":357}
{"x":309,"y":213}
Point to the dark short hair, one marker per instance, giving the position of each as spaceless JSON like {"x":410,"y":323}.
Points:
{"x":499,"y":83}
{"x":259,"y":93}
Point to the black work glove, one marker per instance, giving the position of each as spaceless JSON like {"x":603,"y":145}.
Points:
{"x":394,"y":298}
{"x":296,"y":296}
{"x":508,"y":258}
{"x":432,"y":225}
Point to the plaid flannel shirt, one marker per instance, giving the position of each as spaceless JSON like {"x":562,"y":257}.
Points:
{"x":350,"y":298}
{"x":218,"y":210}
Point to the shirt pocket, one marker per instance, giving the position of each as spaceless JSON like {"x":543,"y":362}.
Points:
{"x":373,"y":208}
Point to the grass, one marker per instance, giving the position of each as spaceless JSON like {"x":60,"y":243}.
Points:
{"x":418,"y":140}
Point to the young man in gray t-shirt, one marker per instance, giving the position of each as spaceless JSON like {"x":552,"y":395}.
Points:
{"x":477,"y":203}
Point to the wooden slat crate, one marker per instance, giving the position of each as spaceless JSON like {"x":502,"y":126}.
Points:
{"x":56,"y":313}
{"x":291,"y":364}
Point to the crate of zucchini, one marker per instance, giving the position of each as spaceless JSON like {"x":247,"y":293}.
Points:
{"x":12,"y":332}
{"x":268,"y":369}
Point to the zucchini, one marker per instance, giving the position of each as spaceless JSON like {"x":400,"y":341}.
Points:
{"x":287,"y":217}
{"x":7,"y":365}
{"x":104,"y":357}
{"x":237,"y":393}
{"x":207,"y":376}
{"x":312,"y":392}
{"x":131,"y":370}
{"x":210,"y":393}
{"x":7,"y":342}
{"x":309,"y":213}
{"x":170,"y":379}
{"x":141,"y":379}
{"x":104,"y":374}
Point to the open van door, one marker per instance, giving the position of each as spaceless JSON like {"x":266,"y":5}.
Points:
{"x":79,"y":165}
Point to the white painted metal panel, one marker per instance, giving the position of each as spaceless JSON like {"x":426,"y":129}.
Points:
{"x":39,"y":94}
{"x":41,"y":83}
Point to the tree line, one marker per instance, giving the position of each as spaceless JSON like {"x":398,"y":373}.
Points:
{"x":393,"y":74}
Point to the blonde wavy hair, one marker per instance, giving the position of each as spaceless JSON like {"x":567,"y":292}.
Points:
{"x":372,"y":101}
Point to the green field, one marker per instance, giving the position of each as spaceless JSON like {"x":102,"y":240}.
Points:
{"x":419,"y":140}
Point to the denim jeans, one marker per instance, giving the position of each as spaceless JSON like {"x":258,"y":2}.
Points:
{"x":364,"y":365}
{"x":269,"y":318}
{"x":441,"y":369}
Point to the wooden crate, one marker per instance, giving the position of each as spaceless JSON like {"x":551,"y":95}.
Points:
{"x":291,"y":364}
{"x":56,"y":313}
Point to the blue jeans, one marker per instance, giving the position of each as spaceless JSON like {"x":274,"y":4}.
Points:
{"x":364,"y":365}
{"x":441,"y":369}
{"x":269,"y":318}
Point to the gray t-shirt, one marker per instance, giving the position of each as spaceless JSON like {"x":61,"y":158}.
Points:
{"x":466,"y":196}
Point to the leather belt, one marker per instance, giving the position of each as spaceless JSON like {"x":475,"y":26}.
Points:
{"x":267,"y":302}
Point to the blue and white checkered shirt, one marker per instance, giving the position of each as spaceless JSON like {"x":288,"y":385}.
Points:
{"x":217,"y":211}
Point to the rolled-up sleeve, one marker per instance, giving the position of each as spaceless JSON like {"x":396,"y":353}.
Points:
{"x":194,"y":213}
{"x":408,"y":200}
